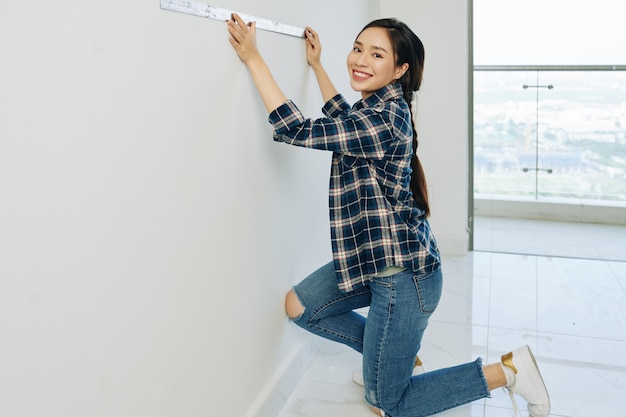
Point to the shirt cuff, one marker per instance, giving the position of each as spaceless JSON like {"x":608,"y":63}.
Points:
{"x":285,"y":117}
{"x":335,"y":106}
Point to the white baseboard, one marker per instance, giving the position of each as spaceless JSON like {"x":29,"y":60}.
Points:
{"x":281,"y":384}
{"x":570,"y":210}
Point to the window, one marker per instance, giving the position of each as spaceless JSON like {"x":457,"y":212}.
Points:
{"x":549,"y":99}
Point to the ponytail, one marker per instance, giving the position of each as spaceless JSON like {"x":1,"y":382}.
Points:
{"x":418,"y":179}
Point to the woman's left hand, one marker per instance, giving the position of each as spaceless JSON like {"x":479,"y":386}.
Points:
{"x":243,"y":38}
{"x":313,"y":47}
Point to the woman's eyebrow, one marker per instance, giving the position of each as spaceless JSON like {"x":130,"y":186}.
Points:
{"x":378,"y":48}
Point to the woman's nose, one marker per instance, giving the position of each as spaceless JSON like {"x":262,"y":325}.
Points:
{"x":361,"y":60}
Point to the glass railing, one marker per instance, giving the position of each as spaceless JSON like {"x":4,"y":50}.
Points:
{"x":550,"y":132}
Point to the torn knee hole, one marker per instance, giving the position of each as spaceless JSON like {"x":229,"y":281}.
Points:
{"x":293,"y":306}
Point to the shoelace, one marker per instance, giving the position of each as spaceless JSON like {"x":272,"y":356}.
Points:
{"x":515,"y":407}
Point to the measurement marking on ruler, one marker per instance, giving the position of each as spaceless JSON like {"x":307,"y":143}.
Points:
{"x":197,"y":8}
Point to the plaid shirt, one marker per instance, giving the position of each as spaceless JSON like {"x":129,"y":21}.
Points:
{"x":374,"y":221}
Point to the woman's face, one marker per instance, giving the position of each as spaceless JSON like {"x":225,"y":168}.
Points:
{"x":372,"y":62}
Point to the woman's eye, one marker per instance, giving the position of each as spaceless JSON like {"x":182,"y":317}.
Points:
{"x":356,"y":49}
{"x":378,"y":56}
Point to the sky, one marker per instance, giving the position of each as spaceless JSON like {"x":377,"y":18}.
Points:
{"x":549,"y":32}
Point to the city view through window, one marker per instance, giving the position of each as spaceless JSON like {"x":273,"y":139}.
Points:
{"x":550,"y":134}
{"x":550,"y":100}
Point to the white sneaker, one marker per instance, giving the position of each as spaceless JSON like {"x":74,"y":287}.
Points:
{"x":528,"y":382}
{"x":357,"y":374}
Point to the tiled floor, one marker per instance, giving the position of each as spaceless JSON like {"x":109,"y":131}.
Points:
{"x":549,"y":238}
{"x":571,"y":311}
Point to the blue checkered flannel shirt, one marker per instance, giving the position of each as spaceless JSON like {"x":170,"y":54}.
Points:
{"x":374,"y":221}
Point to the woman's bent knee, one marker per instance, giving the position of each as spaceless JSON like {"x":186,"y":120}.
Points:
{"x":293,"y":306}
{"x":376,"y":410}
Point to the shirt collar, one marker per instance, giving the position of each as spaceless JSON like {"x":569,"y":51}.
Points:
{"x":388,"y":92}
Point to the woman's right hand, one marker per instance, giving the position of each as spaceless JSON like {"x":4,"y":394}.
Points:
{"x":313,"y":48}
{"x":243,"y":38}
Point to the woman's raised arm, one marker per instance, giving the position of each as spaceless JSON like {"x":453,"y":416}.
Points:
{"x":243,"y":40}
{"x":313,"y":57}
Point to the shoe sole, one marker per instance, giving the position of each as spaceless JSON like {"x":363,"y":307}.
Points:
{"x":541,"y":391}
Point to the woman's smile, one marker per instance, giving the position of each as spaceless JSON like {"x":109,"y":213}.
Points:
{"x":360,"y":75}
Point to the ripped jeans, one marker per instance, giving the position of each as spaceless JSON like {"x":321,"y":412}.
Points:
{"x":399,"y":308}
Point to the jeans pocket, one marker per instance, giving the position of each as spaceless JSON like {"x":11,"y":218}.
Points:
{"x":429,"y":287}
{"x":383,"y":281}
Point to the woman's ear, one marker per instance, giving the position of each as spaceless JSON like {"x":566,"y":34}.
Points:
{"x":401,"y":70}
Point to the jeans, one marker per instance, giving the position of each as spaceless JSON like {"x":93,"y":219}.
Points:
{"x":389,"y":339}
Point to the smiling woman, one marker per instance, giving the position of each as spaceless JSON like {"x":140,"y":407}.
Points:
{"x":385,"y":255}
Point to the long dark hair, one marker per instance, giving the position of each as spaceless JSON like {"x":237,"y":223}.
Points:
{"x":408,"y":48}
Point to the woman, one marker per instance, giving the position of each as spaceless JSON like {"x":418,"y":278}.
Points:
{"x":384,"y":254}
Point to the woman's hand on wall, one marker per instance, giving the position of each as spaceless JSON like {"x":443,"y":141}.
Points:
{"x":313,"y":48}
{"x":243,"y":39}
{"x":314,"y":58}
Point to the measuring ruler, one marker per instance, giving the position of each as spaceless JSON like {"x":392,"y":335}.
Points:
{"x":196,"y":8}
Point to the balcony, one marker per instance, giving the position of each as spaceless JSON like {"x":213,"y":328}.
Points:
{"x":550,"y":142}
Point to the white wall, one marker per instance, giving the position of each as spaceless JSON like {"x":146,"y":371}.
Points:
{"x":149,"y":226}
{"x":442,"y":118}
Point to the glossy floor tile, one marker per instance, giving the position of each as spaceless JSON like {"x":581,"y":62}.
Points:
{"x":550,"y":238}
{"x":571,"y":311}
